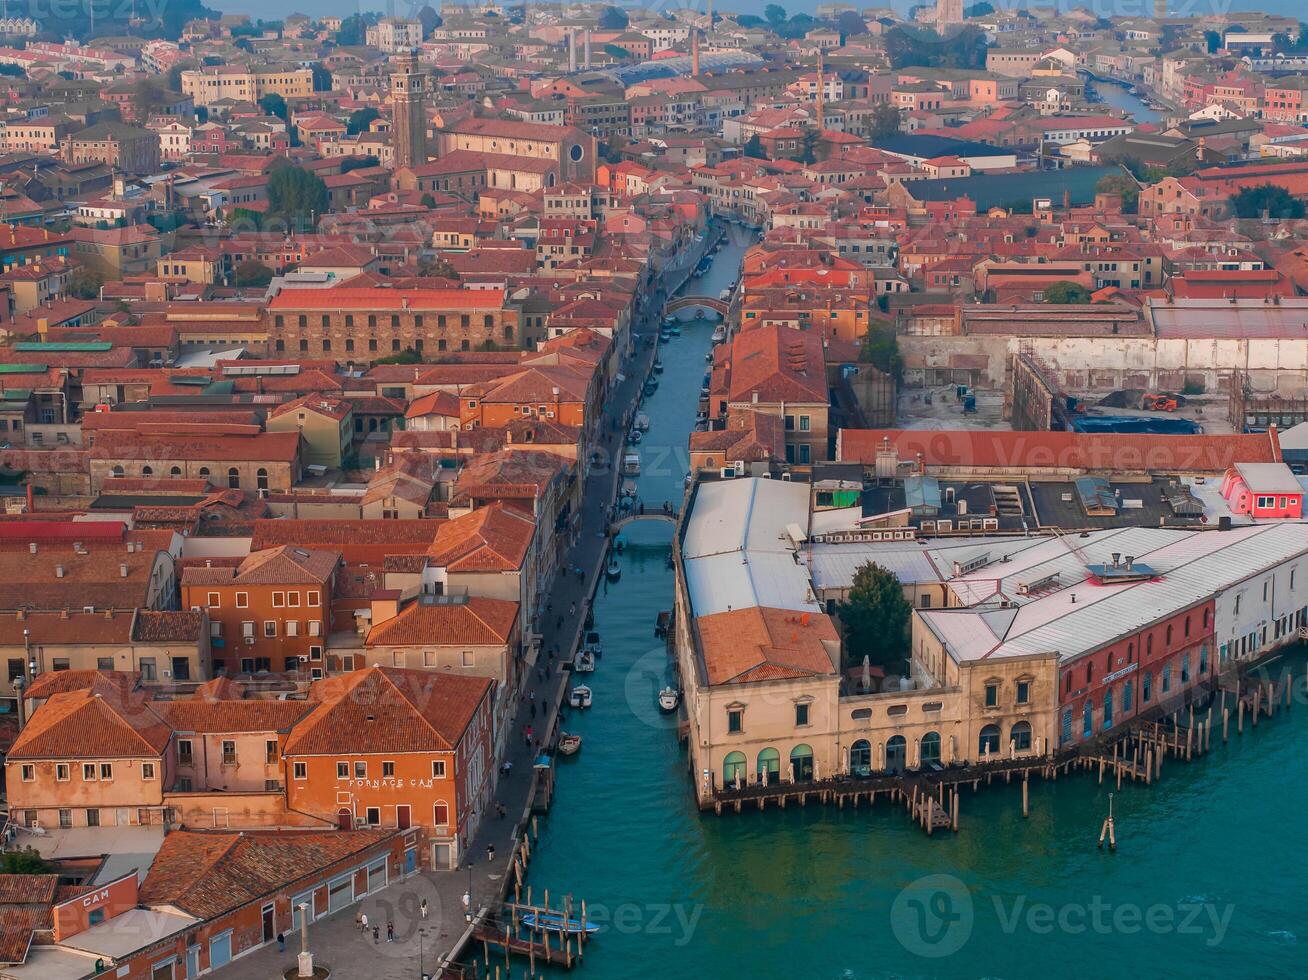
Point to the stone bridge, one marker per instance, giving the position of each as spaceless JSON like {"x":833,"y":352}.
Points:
{"x":667,"y":517}
{"x":687,"y":302}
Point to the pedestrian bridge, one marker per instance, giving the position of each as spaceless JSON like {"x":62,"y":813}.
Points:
{"x":667,"y":517}
{"x":688,"y":302}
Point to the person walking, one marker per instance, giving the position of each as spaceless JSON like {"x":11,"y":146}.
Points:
{"x":376,"y":935}
{"x":423,"y":908}
{"x":363,"y":923}
{"x":281,"y":942}
{"x":490,"y":852}
{"x":390,"y":932}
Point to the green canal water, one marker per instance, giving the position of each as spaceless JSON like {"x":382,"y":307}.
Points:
{"x":1207,"y":880}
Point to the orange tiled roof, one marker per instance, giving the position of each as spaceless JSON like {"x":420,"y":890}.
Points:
{"x":91,"y":725}
{"x":480,"y":621}
{"x":762,"y":643}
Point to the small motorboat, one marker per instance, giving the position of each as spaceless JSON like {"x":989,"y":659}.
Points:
{"x":614,"y":571}
{"x":669,"y":321}
{"x":719,"y":335}
{"x":592,"y":643}
{"x":709,"y":357}
{"x":676,"y":329}
{"x":664,"y":336}
{"x":584,"y":662}
{"x":699,"y":314}
{"x":579,"y":696}
{"x":642,"y":423}
{"x":668,"y":700}
{"x":635,"y":437}
{"x":651,"y":386}
{"x":569,"y":744}
{"x":658,"y":366}
{"x":555,"y":922}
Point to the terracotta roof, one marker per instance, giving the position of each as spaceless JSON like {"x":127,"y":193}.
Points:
{"x":477,"y":621}
{"x":79,"y":628}
{"x":489,"y":539}
{"x":168,"y":626}
{"x":342,"y":534}
{"x":384,"y":709}
{"x":54,"y":682}
{"x":381,"y":298}
{"x":91,"y":725}
{"x":208,"y":873}
{"x":216,"y":717}
{"x":780,"y":364}
{"x":762,"y":643}
{"x":271,"y":446}
{"x":286,"y":565}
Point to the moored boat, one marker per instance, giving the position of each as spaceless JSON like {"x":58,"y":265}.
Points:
{"x":584,"y":662}
{"x":614,"y":571}
{"x":669,"y":699}
{"x":554,"y":922}
{"x":580,"y":696}
{"x":569,"y":744}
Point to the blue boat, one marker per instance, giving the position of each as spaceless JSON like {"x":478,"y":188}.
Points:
{"x":554,"y":922}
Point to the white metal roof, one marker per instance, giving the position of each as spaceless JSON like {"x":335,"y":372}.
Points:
{"x":736,"y":550}
{"x":1078,"y":615}
{"x":1268,"y":478}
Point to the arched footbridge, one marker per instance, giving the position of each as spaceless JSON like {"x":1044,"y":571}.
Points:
{"x":688,"y":302}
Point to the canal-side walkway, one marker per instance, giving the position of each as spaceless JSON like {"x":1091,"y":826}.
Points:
{"x":423,"y":943}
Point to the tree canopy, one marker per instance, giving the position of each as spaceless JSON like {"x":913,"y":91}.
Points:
{"x":912,"y":46}
{"x":85,"y":283}
{"x":774,"y":13}
{"x":876,"y":617}
{"x":253,"y":273}
{"x":881,"y":349}
{"x":1064,"y":293}
{"x":884,"y":122}
{"x":851,"y":24}
{"x":1124,"y":186}
{"x":754,"y":147}
{"x":1276,"y":201}
{"x":24,"y":862}
{"x":297,"y":196}
{"x":613,"y":19}
{"x":274,"y":105}
{"x":360,"y":119}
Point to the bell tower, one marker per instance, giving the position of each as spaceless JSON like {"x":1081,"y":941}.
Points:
{"x":408,"y":115}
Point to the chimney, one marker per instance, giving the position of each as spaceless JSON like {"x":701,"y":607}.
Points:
{"x":587,"y":52}
{"x":1130,"y":560}
{"x":31,"y":502}
{"x":572,"y":51}
{"x":1117,"y":557}
{"x":694,"y":53}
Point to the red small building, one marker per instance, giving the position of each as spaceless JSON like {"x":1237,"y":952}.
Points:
{"x":1263,"y":491}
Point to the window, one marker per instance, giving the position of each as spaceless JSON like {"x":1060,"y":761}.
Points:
{"x":361,"y":770}
{"x":293,"y":600}
{"x":388,"y":769}
{"x":342,"y":770}
{"x":1167,"y":678}
{"x":1147,"y":687}
{"x":270,"y":627}
{"x":214,"y":601}
{"x":1023,"y":692}
{"x":992,"y":695}
{"x":61,"y":663}
{"x":65,"y":819}
{"x":278,"y":599}
{"x":107,"y":770}
{"x":270,"y":751}
{"x":184,"y":757}
{"x":104,"y":663}
{"x":735,"y":720}
{"x":372,"y":816}
{"x":300,"y":770}
{"x":147,"y":770}
{"x":438,"y":769}
{"x":88,"y":772}
{"x":469,"y":660}
{"x":312,"y":598}
{"x":229,"y":752}
{"x":242,"y":600}
{"x":29,"y":773}
{"x":801,"y":714}
{"x":440,"y":815}
{"x":805,"y":423}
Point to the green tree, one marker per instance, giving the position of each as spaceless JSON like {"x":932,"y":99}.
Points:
{"x":1212,"y":40}
{"x":297,"y":196}
{"x":274,"y":105}
{"x":911,"y":46}
{"x":359,"y":120}
{"x":148,"y":96}
{"x":427,"y":201}
{"x":1123,"y":185}
{"x":322,"y":78}
{"x":1064,"y":293}
{"x":754,"y":148}
{"x":884,"y":122}
{"x":881,"y":349}
{"x":808,"y":150}
{"x":613,"y":19}
{"x":24,"y":862}
{"x":1276,"y":201}
{"x":850,"y":24}
{"x":253,"y":273}
{"x":774,"y":14}
{"x":406,"y":356}
{"x":353,"y":31}
{"x":85,"y":283}
{"x":438,"y":268}
{"x":982,"y":9}
{"x":875,"y":618}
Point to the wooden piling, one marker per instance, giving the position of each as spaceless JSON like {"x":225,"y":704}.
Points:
{"x":1026,"y":806}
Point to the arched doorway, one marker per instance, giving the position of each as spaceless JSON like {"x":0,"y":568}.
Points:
{"x":988,"y":743}
{"x":930,"y":750}
{"x":896,"y":753}
{"x":769,"y":766}
{"x":733,"y":768}
{"x":233,"y":479}
{"x":860,"y":758}
{"x":344,"y":819}
{"x":801,"y":763}
{"x":1020,"y":736}
{"x":1108,"y":709}
{"x":1088,"y":720}
{"x":261,"y":478}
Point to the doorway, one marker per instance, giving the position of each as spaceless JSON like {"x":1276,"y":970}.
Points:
{"x":269,"y":927}
{"x":402,"y":819}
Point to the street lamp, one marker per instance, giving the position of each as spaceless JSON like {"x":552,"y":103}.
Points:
{"x":422,"y":972}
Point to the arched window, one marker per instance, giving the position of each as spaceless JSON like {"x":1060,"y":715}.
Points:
{"x":147,"y":471}
{"x":344,"y":818}
{"x":234,"y":478}
{"x":896,"y":753}
{"x":988,"y":743}
{"x":261,"y":478}
{"x":1149,"y":644}
{"x":117,"y":471}
{"x":440,"y":816}
{"x":801,"y":763}
{"x":1169,"y":636}
{"x":204,"y":471}
{"x":175,"y":471}
{"x":1020,"y":736}
{"x":1205,"y":619}
{"x":1108,"y":709}
{"x":733,"y":768}
{"x":860,"y":758}
{"x":769,"y":765}
{"x":930,"y":755}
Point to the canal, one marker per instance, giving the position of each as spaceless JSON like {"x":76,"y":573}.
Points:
{"x":1119,"y":96}
{"x":1205,"y":881}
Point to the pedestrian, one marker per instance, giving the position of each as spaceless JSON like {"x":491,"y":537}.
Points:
{"x":423,"y":908}
{"x":499,"y":809}
{"x":390,"y":931}
{"x":281,"y":942}
{"x":533,"y":709}
{"x":559,"y":624}
{"x":572,"y":609}
{"x":376,"y":935}
{"x":532,"y":695}
{"x":490,"y":852}
{"x":358,"y":921}
{"x":363,"y":922}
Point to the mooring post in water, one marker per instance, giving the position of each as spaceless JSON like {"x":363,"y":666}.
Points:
{"x":1026,"y":807}
{"x":957,"y":795}
{"x":1107,"y":830}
